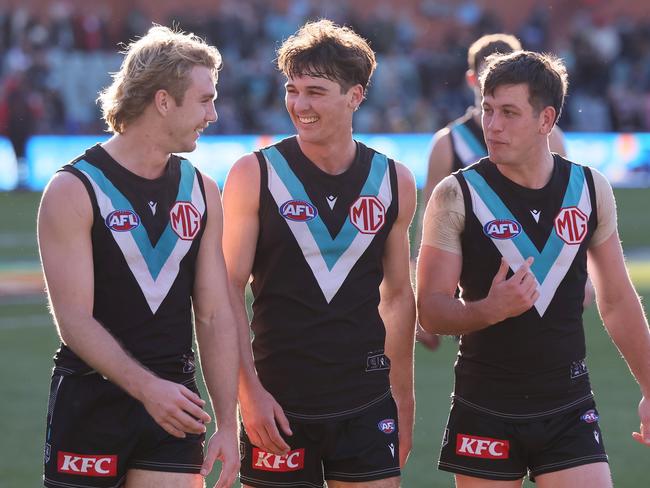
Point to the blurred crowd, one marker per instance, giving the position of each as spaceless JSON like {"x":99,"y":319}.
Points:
{"x":53,"y":63}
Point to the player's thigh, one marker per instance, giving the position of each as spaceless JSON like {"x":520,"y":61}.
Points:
{"x":140,"y":478}
{"x":385,"y":483}
{"x":595,"y":475}
{"x":463,"y":481}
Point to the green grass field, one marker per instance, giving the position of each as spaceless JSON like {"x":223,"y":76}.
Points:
{"x":28,"y":340}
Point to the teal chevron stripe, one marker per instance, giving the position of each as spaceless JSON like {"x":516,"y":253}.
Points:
{"x":543,"y":260}
{"x":471,"y":140}
{"x":154,"y":256}
{"x":330,"y":248}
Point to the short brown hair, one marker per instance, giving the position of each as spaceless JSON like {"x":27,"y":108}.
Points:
{"x":162,"y":59}
{"x":489,"y":44}
{"x":325,"y":50}
{"x":545,"y":75}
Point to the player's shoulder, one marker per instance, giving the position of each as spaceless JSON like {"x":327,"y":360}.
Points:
{"x":404,"y":174}
{"x":442,"y":135}
{"x":246,"y":166}
{"x":599,"y":178}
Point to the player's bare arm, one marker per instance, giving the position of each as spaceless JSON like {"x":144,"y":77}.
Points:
{"x":439,"y":269}
{"x":440,"y":162}
{"x":216,"y":335}
{"x":66,"y":254}
{"x":624,"y":319}
{"x":261,"y":414}
{"x":397,"y":309}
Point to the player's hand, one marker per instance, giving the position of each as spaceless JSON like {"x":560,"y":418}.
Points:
{"x":513,"y":296}
{"x":643,"y":436}
{"x":174,"y":407}
{"x":428,"y":339}
{"x":224,"y":446}
{"x":261,"y":416}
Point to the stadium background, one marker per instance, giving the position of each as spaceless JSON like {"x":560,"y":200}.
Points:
{"x":55,"y":56}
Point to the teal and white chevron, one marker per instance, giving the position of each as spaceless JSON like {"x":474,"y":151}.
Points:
{"x":155,"y":268}
{"x":468,"y":147}
{"x":553,"y":262}
{"x":330,"y":259}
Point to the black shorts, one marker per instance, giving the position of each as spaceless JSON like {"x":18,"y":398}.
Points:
{"x":96,"y":432}
{"x":480,"y":445}
{"x":357,"y":449}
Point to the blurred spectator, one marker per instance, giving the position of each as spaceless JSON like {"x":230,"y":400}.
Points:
{"x":64,"y":53}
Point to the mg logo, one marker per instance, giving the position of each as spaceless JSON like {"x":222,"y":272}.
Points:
{"x":368,"y":214}
{"x":571,"y":225}
{"x":185,"y":220}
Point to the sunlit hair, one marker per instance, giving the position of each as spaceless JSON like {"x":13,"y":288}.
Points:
{"x":325,"y":50}
{"x":545,"y":75}
{"x":161,"y":60}
{"x":489,"y":44}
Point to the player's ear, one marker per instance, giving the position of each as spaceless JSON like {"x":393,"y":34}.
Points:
{"x":162,"y":100}
{"x":471,"y":78}
{"x":357,"y":93}
{"x":547,"y":119}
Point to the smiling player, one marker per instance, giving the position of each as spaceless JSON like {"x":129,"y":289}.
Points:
{"x":130,"y":240}
{"x":320,"y":221}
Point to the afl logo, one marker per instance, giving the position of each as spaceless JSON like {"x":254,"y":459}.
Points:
{"x":571,"y":225}
{"x":590,"y":416}
{"x":387,"y":426}
{"x":122,"y":220}
{"x":368,"y":214}
{"x":298,"y":211}
{"x":185,"y":220}
{"x":502,"y":229}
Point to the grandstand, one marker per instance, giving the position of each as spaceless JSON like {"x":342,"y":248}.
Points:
{"x":55,"y":55}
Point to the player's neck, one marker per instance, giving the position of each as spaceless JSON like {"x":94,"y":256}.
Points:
{"x":333,"y":157}
{"x":534,"y":172}
{"x":138,"y":152}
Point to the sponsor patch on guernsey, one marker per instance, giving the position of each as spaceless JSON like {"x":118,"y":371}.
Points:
{"x":590,"y":416}
{"x":298,"y":211}
{"x":122,"y":220}
{"x":502,"y":229}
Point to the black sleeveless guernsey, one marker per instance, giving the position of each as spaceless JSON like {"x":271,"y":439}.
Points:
{"x":319,"y":339}
{"x":534,"y":364}
{"x":145,"y":239}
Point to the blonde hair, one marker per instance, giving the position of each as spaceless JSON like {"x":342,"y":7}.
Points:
{"x":161,"y":60}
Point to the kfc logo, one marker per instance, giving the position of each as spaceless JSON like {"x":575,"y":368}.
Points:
{"x":482,"y":447}
{"x":368,"y":215}
{"x":571,"y":225}
{"x":185,"y":220}
{"x":266,"y":461}
{"x":87,"y":464}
